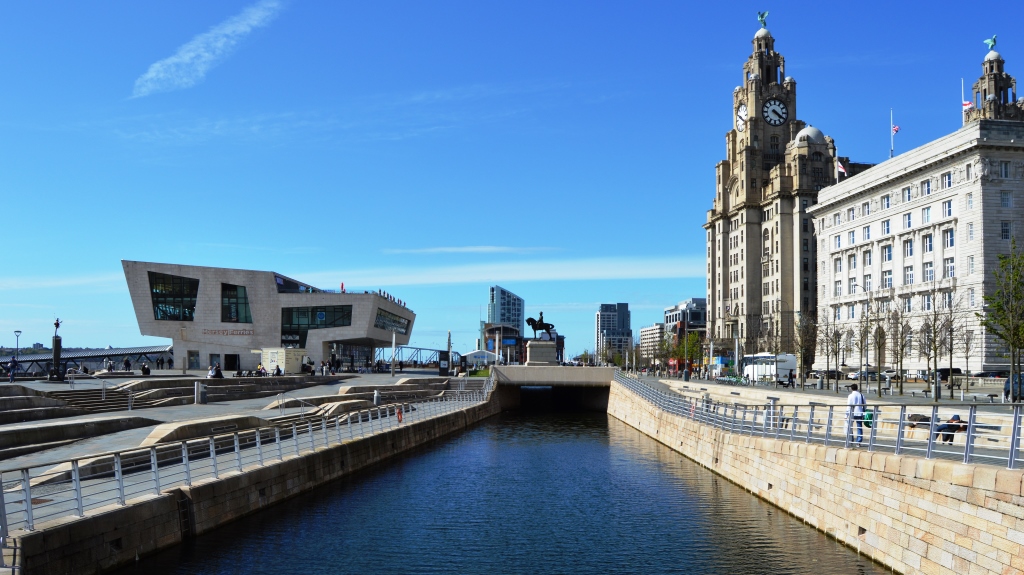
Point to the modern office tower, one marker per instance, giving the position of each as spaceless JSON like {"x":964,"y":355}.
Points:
{"x":505,"y":307}
{"x":613,"y":333}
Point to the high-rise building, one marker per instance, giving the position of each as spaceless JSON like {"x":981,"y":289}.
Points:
{"x":760,"y":243}
{"x":911,"y":243}
{"x":613,"y":333}
{"x":507,"y":308}
{"x":650,"y":340}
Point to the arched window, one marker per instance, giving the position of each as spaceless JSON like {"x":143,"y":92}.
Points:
{"x":766,"y":243}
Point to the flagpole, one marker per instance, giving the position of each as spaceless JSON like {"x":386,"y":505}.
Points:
{"x":892,"y":140}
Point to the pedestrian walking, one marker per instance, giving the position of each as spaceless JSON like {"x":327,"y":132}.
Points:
{"x":855,"y":414}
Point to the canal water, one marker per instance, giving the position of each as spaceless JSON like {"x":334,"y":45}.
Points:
{"x":537,"y":493}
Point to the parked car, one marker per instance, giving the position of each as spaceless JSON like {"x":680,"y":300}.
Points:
{"x":892,"y":374}
{"x":945,"y":371}
{"x":1017,"y":391}
{"x":826,"y":374}
{"x":999,"y":374}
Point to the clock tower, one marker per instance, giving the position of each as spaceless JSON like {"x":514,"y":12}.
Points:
{"x":760,"y":242}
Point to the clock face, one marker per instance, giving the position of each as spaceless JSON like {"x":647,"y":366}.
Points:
{"x":775,"y":112}
{"x":741,"y":117}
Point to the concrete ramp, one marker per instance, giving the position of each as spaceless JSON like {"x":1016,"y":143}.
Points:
{"x":182,"y":430}
{"x":554,"y":376}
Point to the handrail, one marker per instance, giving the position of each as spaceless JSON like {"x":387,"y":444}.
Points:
{"x":990,"y":434}
{"x":77,"y":486}
{"x":280,"y":407}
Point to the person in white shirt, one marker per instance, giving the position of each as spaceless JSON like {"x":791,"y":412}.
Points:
{"x":855,"y":413}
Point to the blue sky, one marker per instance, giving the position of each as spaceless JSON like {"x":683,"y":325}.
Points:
{"x":564,"y":150}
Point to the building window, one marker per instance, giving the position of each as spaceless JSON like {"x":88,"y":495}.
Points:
{"x":950,"y":267}
{"x":803,"y":205}
{"x":970,"y":201}
{"x":908,"y":275}
{"x":852,"y":311}
{"x":852,"y":236}
{"x":867,"y":283}
{"x":906,"y":194}
{"x":886,"y":253}
{"x":887,"y":279}
{"x":807,"y":266}
{"x":908,"y":307}
{"x":838,"y":241}
{"x":886,"y":201}
{"x":851,"y":285}
{"x":885,"y":227}
{"x":970,"y":264}
{"x":970,"y":232}
{"x":1004,"y":169}
{"x":926,"y":188}
{"x":174,"y":297}
{"x":234,"y":306}
{"x":390,"y":322}
{"x":946,"y":180}
{"x":837,"y":265}
{"x":1005,"y":199}
{"x":865,"y":232}
{"x":853,"y":261}
{"x":851,"y":214}
{"x":297,"y":321}
{"x":926,"y":302}
{"x":926,"y":215}
{"x":867,"y":258}
{"x":908,"y":221}
{"x":839,"y":288}
{"x":968,"y":172}
{"x":929,"y":272}
{"x":839,"y":311}
{"x":1004,"y":230}
{"x":948,"y":238}
{"x":835,"y":219}
{"x":926,"y":240}
{"x":806,"y":245}
{"x":804,"y":224}
{"x":764,"y":288}
{"x":970,"y":297}
{"x":947,"y":208}
{"x":865,"y":209}
{"x":908,"y":248}
{"x":806,"y":284}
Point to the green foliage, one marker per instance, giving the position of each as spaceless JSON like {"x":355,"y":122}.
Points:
{"x":1004,"y":317}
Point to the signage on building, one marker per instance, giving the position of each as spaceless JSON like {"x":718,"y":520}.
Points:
{"x":229,"y":332}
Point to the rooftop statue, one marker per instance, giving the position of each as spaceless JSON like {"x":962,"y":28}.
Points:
{"x":990,"y":42}
{"x":762,"y":17}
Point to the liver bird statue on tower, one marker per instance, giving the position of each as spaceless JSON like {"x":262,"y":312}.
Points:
{"x":990,"y":42}
{"x":762,"y":17}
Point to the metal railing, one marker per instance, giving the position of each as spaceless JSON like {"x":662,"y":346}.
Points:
{"x":983,"y":434}
{"x":44,"y":492}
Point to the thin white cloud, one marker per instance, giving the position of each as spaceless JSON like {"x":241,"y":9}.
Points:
{"x":24,"y":283}
{"x":523,"y":271}
{"x":466,"y":250}
{"x":189,"y":65}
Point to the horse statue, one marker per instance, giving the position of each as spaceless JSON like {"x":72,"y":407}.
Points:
{"x":538,"y":324}
{"x":762,"y":17}
{"x":991,"y":42}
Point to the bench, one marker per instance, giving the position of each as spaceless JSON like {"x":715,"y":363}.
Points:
{"x":926,"y":392}
{"x":991,"y":396}
{"x":955,"y":385}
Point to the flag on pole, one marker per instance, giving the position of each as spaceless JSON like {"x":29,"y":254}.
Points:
{"x":839,"y":166}
{"x":895,"y":129}
{"x":968,"y":105}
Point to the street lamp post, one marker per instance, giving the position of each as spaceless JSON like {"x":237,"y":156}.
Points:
{"x":17,"y":343}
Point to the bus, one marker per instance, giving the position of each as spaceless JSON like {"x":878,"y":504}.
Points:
{"x":769,"y":366}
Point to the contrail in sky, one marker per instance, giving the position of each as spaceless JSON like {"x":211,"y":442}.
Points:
{"x":194,"y":59}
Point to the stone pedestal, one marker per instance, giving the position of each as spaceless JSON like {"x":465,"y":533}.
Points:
{"x":541,"y":353}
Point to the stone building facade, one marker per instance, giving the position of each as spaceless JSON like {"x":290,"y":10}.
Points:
{"x":760,"y":238}
{"x":910,"y":244}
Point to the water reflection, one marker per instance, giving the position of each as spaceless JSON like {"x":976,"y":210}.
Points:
{"x":521,"y":493}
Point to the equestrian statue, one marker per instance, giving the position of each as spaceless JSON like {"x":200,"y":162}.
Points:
{"x":538,"y":324}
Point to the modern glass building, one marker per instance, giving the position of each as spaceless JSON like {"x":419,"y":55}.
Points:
{"x":222,"y":315}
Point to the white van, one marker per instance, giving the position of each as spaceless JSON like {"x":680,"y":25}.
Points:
{"x":768,"y":366}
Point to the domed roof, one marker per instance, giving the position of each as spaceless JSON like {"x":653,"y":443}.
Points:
{"x":993,"y":55}
{"x":788,"y":80}
{"x":810,"y":134}
{"x":763,"y":33}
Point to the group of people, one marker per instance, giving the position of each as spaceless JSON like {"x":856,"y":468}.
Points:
{"x":390,"y":297}
{"x":160,"y":363}
{"x":858,"y":418}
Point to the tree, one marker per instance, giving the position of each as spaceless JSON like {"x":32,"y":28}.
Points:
{"x":967,"y":344}
{"x":805,"y":338}
{"x":828,"y":341}
{"x":900,"y":339}
{"x":1004,"y":313}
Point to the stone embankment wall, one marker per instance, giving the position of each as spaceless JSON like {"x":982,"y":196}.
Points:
{"x":114,"y":537}
{"x":911,"y":514}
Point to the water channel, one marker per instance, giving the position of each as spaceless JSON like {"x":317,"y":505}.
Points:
{"x":524,"y":492}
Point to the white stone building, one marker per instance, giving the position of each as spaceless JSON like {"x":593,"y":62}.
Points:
{"x":922,"y":230}
{"x":650,"y":338}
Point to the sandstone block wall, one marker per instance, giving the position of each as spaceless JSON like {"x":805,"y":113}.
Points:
{"x":910,"y":514}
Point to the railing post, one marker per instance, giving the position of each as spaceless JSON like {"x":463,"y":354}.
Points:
{"x":312,"y":438}
{"x":295,"y":438}
{"x":972,"y":414}
{"x":155,"y":468}
{"x":899,"y":430}
{"x":277,"y":440}
{"x":828,"y":425}
{"x":793,"y":422}
{"x":4,"y":527}
{"x":931,"y":431}
{"x":350,"y":435}
{"x":810,"y":425}
{"x":119,"y":476}
{"x":213,"y":456}
{"x":76,"y":480}
{"x":874,"y":428}
{"x":238,"y":453}
{"x":1011,"y":457}
{"x":259,"y":445}
{"x":26,"y":489}
{"x":185,"y":461}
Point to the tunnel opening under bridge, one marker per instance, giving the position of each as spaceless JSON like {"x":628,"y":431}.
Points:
{"x":547,"y":398}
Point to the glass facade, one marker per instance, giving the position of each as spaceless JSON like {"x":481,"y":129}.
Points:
{"x":234,"y":306}
{"x":391,"y":322}
{"x":297,"y":321}
{"x":174,"y":297}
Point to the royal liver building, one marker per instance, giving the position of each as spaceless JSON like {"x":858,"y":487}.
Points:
{"x":760,"y":240}
{"x":906,"y":249}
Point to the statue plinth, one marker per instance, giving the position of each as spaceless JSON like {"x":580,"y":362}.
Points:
{"x":541,"y":353}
